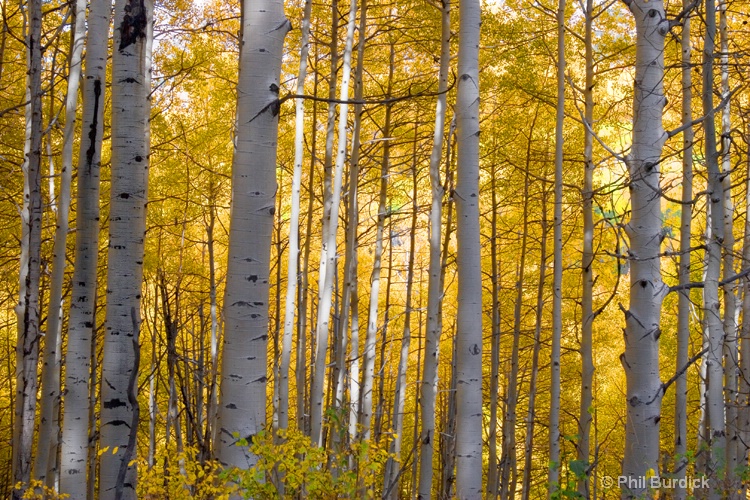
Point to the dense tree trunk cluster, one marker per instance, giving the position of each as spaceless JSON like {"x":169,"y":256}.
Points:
{"x":493,"y":250}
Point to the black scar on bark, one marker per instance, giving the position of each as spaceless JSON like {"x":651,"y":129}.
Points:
{"x":94,"y":126}
{"x":133,"y":24}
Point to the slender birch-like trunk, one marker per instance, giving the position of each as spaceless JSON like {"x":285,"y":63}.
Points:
{"x":683,"y":299}
{"x":127,"y":228}
{"x":531,"y":413}
{"x":744,"y":396}
{"x":492,"y":467}
{"x":368,"y":358}
{"x":328,"y":257}
{"x":508,"y":459}
{"x":715,"y":403}
{"x":392,"y":468}
{"x":293,"y":257}
{"x":27,"y":310}
{"x":46,"y":459}
{"x":468,"y":259}
{"x":587,"y":272}
{"x":429,"y":385}
{"x":243,"y":375}
{"x":350,"y":304}
{"x":647,"y":290}
{"x":731,"y":360}
{"x":553,"y":477}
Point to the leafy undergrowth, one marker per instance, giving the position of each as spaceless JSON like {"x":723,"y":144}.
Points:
{"x":288,"y":467}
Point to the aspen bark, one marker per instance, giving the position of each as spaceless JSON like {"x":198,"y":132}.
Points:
{"x":429,"y":385}
{"x":531,"y":413}
{"x":393,"y":468}
{"x":293,"y":257}
{"x":350,"y":303}
{"x":468,"y":259}
{"x":553,"y":477}
{"x":328,"y":254}
{"x":587,"y":272}
{"x":647,"y":290}
{"x":242,"y":398}
{"x":731,"y":360}
{"x":715,"y":403}
{"x":27,"y":309}
{"x":46,"y":457}
{"x":127,"y":228}
{"x":683,"y":304}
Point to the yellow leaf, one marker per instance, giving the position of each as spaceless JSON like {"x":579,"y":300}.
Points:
{"x":114,"y":450}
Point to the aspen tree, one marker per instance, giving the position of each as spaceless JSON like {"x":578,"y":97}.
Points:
{"x":508,"y":471}
{"x":715,"y":403}
{"x":27,"y":309}
{"x":744,"y":391}
{"x":241,"y":412}
{"x":392,"y":467}
{"x":328,"y":253}
{"x":492,"y":466}
{"x":647,"y":290}
{"x":587,"y":271}
{"x":429,"y":386}
{"x":731,"y":361}
{"x":469,"y":320}
{"x":350,"y":302}
{"x":293,"y":257}
{"x":531,"y":413}
{"x":368,"y":357}
{"x":683,"y":304}
{"x":47,"y":444}
{"x":127,"y":227}
{"x":553,"y":477}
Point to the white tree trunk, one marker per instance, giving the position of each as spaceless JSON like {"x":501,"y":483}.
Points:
{"x":242,"y":404}
{"x":587,"y":271}
{"x":468,"y":259}
{"x":27,"y":310}
{"x":647,"y":290}
{"x":744,"y":395}
{"x":393,"y":467}
{"x":330,"y":229}
{"x":715,"y":404}
{"x":127,"y":227}
{"x":553,"y":477}
{"x":428,"y":394}
{"x":293,"y":257}
{"x":350,"y":300}
{"x":683,"y":304}
{"x":368,"y":377}
{"x":731,"y":361}
{"x":46,"y":458}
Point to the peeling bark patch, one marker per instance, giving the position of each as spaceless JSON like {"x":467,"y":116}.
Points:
{"x":133,"y":26}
